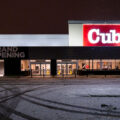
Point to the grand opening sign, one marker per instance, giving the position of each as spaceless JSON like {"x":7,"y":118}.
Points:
{"x":101,"y":34}
{"x":12,"y":52}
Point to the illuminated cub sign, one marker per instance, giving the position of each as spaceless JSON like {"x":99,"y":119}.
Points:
{"x":101,"y":35}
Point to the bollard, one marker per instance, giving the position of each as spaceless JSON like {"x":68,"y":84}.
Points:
{"x":87,"y":75}
{"x":44,"y":72}
{"x":75,"y":73}
{"x":63,"y":74}
{"x":105,"y":75}
{"x":31,"y":73}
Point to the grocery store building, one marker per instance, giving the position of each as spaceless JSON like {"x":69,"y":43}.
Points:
{"x":90,"y":47}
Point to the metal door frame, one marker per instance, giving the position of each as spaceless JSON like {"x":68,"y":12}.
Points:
{"x":40,"y":66}
{"x":66,"y":63}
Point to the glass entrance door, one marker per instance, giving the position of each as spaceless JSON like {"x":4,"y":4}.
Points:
{"x":45,"y":69}
{"x":1,"y":67}
{"x":66,"y":69}
{"x":35,"y":69}
{"x":63,"y":69}
{"x":71,"y":68}
{"x":42,"y":69}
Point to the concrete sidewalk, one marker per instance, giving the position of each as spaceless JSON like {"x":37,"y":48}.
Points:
{"x":60,"y":80}
{"x":58,"y":77}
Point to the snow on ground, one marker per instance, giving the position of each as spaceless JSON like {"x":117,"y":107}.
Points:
{"x":87,"y":99}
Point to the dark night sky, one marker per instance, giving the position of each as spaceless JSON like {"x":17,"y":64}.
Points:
{"x":51,"y":16}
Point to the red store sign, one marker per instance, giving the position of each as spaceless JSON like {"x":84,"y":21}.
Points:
{"x":101,"y":34}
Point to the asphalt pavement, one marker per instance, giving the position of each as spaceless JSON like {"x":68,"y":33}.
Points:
{"x":83,"y":98}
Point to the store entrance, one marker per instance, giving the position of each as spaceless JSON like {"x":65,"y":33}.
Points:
{"x":40,"y":69}
{"x":66,"y":68}
{"x":1,"y":67}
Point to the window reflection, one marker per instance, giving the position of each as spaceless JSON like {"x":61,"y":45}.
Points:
{"x":103,"y":64}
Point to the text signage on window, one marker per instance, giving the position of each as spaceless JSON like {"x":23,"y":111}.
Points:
{"x":11,"y":52}
{"x":101,"y":34}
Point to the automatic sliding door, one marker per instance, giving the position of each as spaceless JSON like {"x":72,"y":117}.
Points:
{"x":74,"y":68}
{"x":63,"y":69}
{"x":35,"y":69}
{"x":45,"y":69}
{"x":59,"y":72}
{"x":40,"y":67}
{"x":66,"y":69}
{"x":69,"y":69}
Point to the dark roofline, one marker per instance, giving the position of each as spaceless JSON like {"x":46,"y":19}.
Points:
{"x":93,"y":21}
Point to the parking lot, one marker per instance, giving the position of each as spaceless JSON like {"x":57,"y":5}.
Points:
{"x":82,"y":98}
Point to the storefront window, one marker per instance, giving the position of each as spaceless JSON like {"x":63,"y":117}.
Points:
{"x":108,"y":64}
{"x":117,"y":64}
{"x":1,"y":67}
{"x":25,"y":65}
{"x":100,"y":64}
{"x":84,"y":64}
{"x":96,"y":64}
{"x":69,"y":67}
